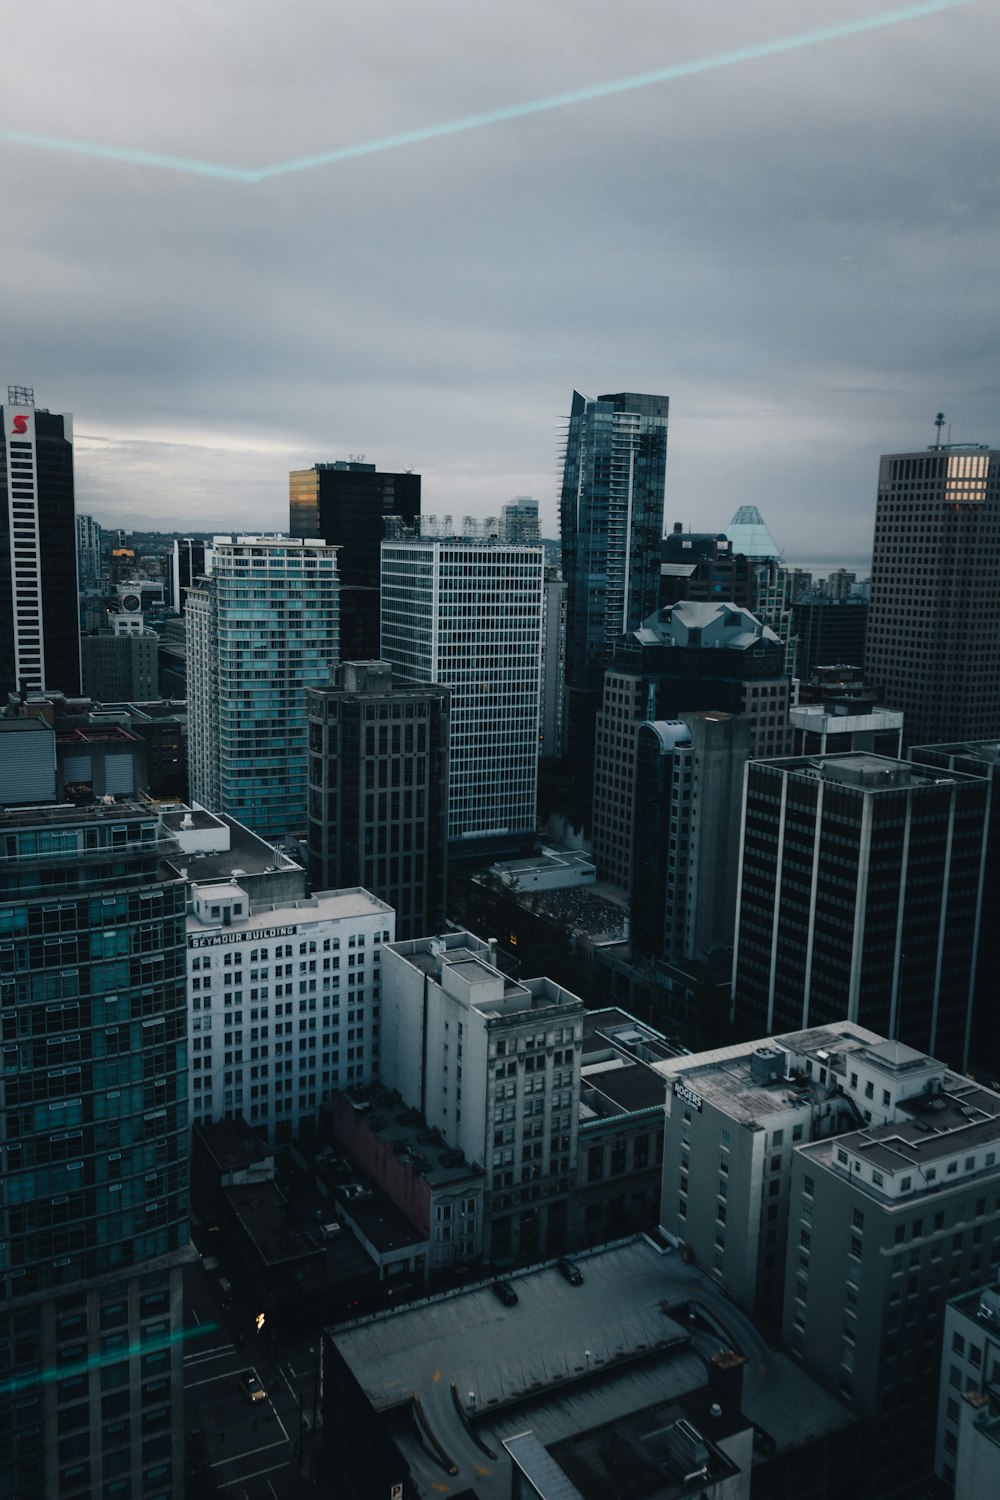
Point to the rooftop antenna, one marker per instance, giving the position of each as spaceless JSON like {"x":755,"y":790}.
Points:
{"x":20,"y":395}
{"x":939,"y":423}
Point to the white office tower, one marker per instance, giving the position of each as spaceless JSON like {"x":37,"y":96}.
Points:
{"x":468,"y":614}
{"x":262,"y":628}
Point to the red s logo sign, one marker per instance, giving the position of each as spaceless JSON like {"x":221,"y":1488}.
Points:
{"x":20,"y":424}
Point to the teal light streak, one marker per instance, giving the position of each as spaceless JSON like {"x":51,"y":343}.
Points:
{"x":98,"y":1361}
{"x":738,"y":55}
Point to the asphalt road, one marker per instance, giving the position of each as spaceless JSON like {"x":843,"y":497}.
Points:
{"x":253,"y":1446}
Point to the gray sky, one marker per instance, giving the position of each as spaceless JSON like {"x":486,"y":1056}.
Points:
{"x":800,"y":250}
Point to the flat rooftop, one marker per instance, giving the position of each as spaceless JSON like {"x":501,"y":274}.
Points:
{"x":406,"y":1132}
{"x":861,"y":770}
{"x":324,"y":906}
{"x":233,"y":1145}
{"x":567,"y":1360}
{"x":963,"y":1116}
{"x":262,"y":1210}
{"x":247,"y":854}
{"x":724,"y":1077}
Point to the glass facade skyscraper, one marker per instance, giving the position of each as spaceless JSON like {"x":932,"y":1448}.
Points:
{"x":93,"y":1150}
{"x":261,"y":627}
{"x":468,"y":614}
{"x":611,"y":524}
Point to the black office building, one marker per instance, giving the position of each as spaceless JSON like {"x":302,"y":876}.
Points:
{"x":348,"y":504}
{"x":831,"y":633}
{"x":39,"y":618}
{"x":378,"y":791}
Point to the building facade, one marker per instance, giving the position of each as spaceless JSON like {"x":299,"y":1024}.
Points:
{"x":94,"y":1153}
{"x":982,"y":759}
{"x":187,"y":562}
{"x":89,"y":550}
{"x":39,"y":625}
{"x":121,"y":664}
{"x":685,"y":841}
{"x":688,"y":657}
{"x":494,"y":1066}
{"x":468,"y":615}
{"x":734,"y":1116}
{"x":611,"y":523}
{"x":378,"y":791}
{"x":886,"y":1223}
{"x":260,"y":629}
{"x":859,"y":899}
{"x":519,"y":521}
{"x":933,"y":649}
{"x":351,"y":505}
{"x":284,"y":1000}
{"x":830,"y":631}
{"x":967,"y":1450}
{"x":550,"y":745}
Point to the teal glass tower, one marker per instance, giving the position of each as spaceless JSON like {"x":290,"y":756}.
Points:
{"x":93,"y":1152}
{"x":261,"y":627}
{"x":611,"y":525}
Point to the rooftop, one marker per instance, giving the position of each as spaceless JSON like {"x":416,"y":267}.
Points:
{"x":960,"y":1118}
{"x":728,"y":1078}
{"x":566,"y":1360}
{"x":405,"y":1131}
{"x":246,"y":855}
{"x":863,"y":771}
{"x":262,"y":1210}
{"x":233,"y":1145}
{"x":355,"y":901}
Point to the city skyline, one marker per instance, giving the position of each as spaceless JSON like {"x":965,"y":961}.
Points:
{"x":808,"y":302}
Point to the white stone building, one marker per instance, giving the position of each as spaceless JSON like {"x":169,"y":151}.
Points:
{"x":283,"y":1002}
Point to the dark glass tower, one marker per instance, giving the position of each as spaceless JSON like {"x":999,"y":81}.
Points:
{"x":860,"y":896}
{"x":347,"y":504}
{"x":93,"y":1153}
{"x":611,"y":524}
{"x":933,"y":645}
{"x":39,"y":624}
{"x":378,"y":791}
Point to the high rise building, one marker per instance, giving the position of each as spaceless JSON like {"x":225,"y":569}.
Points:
{"x":89,"y":546}
{"x":775,"y":587}
{"x":378,"y":791}
{"x":94,"y":1128}
{"x":458,"y":1040}
{"x":611,"y":523}
{"x":980,"y":759}
{"x":348,"y":504}
{"x":933,"y":647}
{"x":260,"y":629}
{"x":703,"y":567}
{"x":39,"y":625}
{"x":187,"y":562}
{"x":691,"y":656}
{"x":121,"y":663}
{"x":685,"y":843}
{"x":468,"y":614}
{"x":553,"y":665}
{"x":860,"y":881}
{"x":519,"y":521}
{"x":830,"y":631}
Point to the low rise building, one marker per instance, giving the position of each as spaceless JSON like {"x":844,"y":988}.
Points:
{"x":639,"y":1379}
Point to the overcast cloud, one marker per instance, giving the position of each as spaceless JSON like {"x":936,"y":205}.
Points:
{"x":801,"y":251}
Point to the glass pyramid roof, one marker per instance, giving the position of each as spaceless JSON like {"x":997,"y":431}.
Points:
{"x":748,"y":534}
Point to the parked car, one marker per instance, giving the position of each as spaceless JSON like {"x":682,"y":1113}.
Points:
{"x":505,"y":1292}
{"x":570,"y":1270}
{"x":250,"y":1381}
